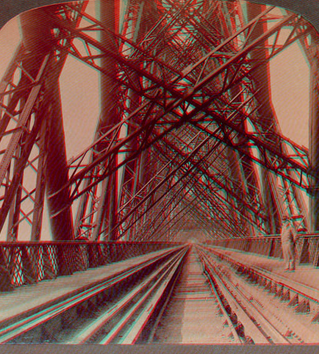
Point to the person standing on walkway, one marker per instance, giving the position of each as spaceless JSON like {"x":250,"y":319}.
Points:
{"x":288,"y":240}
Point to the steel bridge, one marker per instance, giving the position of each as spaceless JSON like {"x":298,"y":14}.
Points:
{"x":187,"y":168}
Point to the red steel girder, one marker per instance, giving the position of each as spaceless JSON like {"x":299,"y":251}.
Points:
{"x":163,"y":89}
{"x":257,"y":142}
{"x":208,"y":174}
{"x":221,"y":200}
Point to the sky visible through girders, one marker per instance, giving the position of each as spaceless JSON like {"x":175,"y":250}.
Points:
{"x":289,"y":75}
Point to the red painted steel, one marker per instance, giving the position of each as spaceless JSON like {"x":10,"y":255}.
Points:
{"x":188,"y":83}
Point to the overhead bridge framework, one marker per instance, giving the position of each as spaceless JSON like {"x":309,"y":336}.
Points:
{"x":186,"y":136}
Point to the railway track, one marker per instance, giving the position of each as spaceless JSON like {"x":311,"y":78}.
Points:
{"x":64,"y":318}
{"x":186,"y":295}
{"x":267,"y":313}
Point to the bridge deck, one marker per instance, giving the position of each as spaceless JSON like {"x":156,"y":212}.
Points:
{"x":26,"y":298}
{"x":192,"y":316}
{"x":191,"y":312}
{"x":305,"y":277}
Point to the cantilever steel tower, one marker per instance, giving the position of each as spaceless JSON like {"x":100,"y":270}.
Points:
{"x":186,"y":137}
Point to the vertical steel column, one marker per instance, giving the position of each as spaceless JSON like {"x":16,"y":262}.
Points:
{"x":266,"y":114}
{"x":58,"y":202}
{"x":109,"y":17}
{"x":37,"y":38}
{"x":246,"y":173}
{"x":314,"y":135}
{"x":41,"y":182}
{"x":132,"y":172}
{"x":238,"y":176}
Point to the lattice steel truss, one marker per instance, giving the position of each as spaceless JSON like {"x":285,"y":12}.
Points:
{"x":187,"y":136}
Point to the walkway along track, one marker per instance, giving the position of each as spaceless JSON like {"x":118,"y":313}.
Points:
{"x":58,"y":320}
{"x":271,"y":309}
{"x":193,"y":313}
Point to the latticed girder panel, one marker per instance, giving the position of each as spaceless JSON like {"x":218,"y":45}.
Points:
{"x":187,"y":108}
{"x":231,"y":129}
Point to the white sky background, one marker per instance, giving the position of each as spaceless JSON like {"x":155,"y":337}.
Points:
{"x":80,"y":101}
{"x":289,"y":75}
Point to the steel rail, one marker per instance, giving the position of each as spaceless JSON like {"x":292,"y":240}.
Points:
{"x":149,"y":301}
{"x":94,"y":326}
{"x":239,"y":311}
{"x":164,"y":306}
{"x":264,"y":331}
{"x":222,"y":306}
{"x":300,"y":298}
{"x":197,"y":289}
{"x":38,"y":318}
{"x":283,"y":324}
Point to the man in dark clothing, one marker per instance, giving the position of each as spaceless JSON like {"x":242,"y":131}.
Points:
{"x":288,"y":239}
